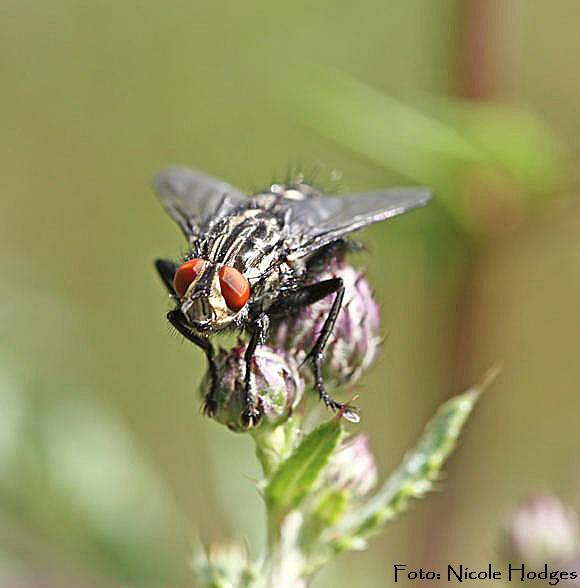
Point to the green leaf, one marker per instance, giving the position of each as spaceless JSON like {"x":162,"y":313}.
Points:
{"x":481,"y":160}
{"x":388,"y":132}
{"x":331,"y":506}
{"x":414,"y":477}
{"x":296,"y":476}
{"x":325,"y":513}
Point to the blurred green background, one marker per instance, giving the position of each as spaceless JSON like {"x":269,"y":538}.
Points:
{"x":107,"y":469}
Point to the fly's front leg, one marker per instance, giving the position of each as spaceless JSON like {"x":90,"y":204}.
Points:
{"x":251,"y":414}
{"x":176,"y":318}
{"x":305,"y":297}
{"x":166,"y":270}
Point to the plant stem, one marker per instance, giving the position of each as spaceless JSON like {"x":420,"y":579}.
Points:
{"x":273,"y":446}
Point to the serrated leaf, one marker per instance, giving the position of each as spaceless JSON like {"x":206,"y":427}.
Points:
{"x":331,"y":506}
{"x":420,"y":467}
{"x":296,"y":476}
{"x":325,"y":513}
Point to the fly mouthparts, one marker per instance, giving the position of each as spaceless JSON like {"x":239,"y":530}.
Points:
{"x":198,"y":310}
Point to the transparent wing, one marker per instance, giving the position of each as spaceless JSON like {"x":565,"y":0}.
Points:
{"x":322,"y":219}
{"x":192,"y":199}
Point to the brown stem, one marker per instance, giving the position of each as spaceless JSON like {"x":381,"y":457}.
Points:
{"x":488,"y":48}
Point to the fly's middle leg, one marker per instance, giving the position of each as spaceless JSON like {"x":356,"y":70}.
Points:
{"x":251,"y":414}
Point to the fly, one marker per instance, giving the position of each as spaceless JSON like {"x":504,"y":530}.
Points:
{"x":256,"y":259}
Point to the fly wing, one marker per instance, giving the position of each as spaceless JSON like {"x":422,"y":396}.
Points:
{"x":319,"y":220}
{"x":193,"y":199}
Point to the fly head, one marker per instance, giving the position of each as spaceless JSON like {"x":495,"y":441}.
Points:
{"x":210,"y":296}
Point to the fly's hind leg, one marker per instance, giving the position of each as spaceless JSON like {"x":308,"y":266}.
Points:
{"x":176,"y":318}
{"x":317,"y":352}
{"x":305,"y":297}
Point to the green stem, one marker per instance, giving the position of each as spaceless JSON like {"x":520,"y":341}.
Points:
{"x":273,"y":446}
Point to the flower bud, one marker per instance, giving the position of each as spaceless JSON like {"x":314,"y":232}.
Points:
{"x":276,"y":383}
{"x":352,"y":467}
{"x":354,"y":341}
{"x":541,"y":531}
{"x":225,"y":564}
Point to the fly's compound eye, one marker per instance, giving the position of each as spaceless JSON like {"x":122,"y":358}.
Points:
{"x":185,"y":274}
{"x":235,"y":288}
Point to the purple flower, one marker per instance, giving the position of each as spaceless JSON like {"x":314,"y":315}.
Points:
{"x":354,"y":341}
{"x":352,"y":467}
{"x":541,"y":531}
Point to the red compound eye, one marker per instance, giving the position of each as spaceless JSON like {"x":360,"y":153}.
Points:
{"x":235,"y":288}
{"x":185,"y":274}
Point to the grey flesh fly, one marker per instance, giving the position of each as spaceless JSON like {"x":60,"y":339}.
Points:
{"x":253,"y":260}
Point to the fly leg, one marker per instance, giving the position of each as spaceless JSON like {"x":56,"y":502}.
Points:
{"x":305,"y":297}
{"x":176,"y":318}
{"x":166,"y":270}
{"x":317,"y":351}
{"x":251,"y":414}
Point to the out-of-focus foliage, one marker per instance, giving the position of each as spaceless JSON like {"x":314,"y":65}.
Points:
{"x":72,"y":474}
{"x":487,"y":163}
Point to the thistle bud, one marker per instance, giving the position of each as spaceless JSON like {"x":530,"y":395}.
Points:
{"x":276,"y":383}
{"x":354,"y":342}
{"x":541,"y":531}
{"x":352,"y":467}
{"x":226,"y":564}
